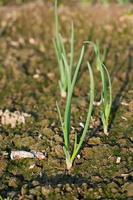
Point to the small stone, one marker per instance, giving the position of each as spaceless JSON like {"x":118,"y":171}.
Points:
{"x":118,"y":160}
{"x":59,"y":185}
{"x":57,"y":190}
{"x":32,"y":166}
{"x":35,"y":183}
{"x":68,"y":188}
{"x":39,"y":155}
{"x":78,"y":156}
{"x":24,"y":189}
{"x":36,"y":76}
{"x":45,"y":190}
{"x":51,"y":75}
{"x":81,"y":124}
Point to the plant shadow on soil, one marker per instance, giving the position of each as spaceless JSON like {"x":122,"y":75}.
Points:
{"x":124,"y":87}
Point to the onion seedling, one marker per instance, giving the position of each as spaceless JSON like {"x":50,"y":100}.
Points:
{"x":71,"y":152}
{"x":62,"y":58}
{"x":67,"y":84}
{"x":106,"y":94}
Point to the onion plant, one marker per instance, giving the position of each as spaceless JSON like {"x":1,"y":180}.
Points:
{"x":106,"y":94}
{"x":62,"y":57}
{"x":71,"y":152}
{"x":68,"y":78}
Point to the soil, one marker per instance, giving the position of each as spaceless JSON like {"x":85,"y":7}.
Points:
{"x":29,"y":83}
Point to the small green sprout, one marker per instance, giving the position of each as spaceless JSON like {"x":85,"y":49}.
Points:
{"x":70,"y":152}
{"x":62,"y":58}
{"x":106,"y":94}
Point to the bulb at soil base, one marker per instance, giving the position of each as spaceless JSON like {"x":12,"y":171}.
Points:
{"x":69,"y":164}
{"x":106,"y":131}
{"x":63,"y":94}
